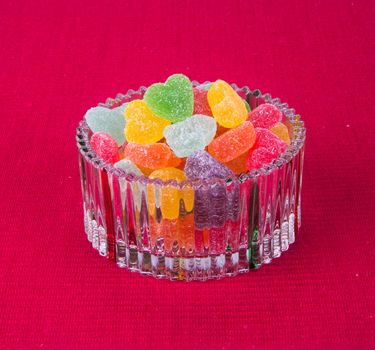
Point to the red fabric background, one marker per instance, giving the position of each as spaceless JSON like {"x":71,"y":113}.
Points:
{"x":60,"y":58}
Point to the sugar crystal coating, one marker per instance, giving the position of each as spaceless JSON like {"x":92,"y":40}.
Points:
{"x":201,"y":165}
{"x":265,"y":138}
{"x":265,"y":116}
{"x":142,"y":126}
{"x":190,"y":135}
{"x":105,"y":146}
{"x":129,"y":167}
{"x":259,"y":157}
{"x":110,"y":121}
{"x":226,"y":105}
{"x":173,"y":100}
{"x":201,"y":105}
{"x":233,"y":143}
{"x":153,"y":156}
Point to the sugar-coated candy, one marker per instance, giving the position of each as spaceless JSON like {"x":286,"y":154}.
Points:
{"x":238,"y":165}
{"x":265,"y":138}
{"x":281,"y":131}
{"x":173,"y":100}
{"x":265,"y":116}
{"x":190,"y":135}
{"x":167,"y":174}
{"x":171,"y":195}
{"x":110,"y":121}
{"x":201,"y":165}
{"x":226,"y":105}
{"x":233,"y":143}
{"x":201,"y":105}
{"x":259,"y":157}
{"x":105,"y":146}
{"x":128,"y":166}
{"x":143,"y":126}
{"x":153,"y":156}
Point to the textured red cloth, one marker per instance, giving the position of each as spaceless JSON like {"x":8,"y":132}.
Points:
{"x":58,"y":58}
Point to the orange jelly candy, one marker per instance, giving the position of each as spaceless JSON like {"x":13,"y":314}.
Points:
{"x":233,"y":143}
{"x":170,"y":195}
{"x":281,"y":131}
{"x":153,"y":156}
{"x":238,"y":165}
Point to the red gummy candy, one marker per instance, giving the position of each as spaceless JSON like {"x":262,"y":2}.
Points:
{"x":201,"y":105}
{"x":105,"y":147}
{"x":259,"y":157}
{"x":270,"y":141}
{"x":265,"y":116}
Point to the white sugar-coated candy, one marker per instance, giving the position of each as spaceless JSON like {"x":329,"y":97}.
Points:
{"x":110,"y":121}
{"x":190,"y":135}
{"x":129,"y":167}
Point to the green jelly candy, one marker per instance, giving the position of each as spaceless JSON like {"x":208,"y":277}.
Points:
{"x":173,"y":100}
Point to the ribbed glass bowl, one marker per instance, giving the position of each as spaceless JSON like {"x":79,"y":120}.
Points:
{"x":234,"y":226}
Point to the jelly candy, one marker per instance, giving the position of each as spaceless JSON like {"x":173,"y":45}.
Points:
{"x":105,"y":146}
{"x":128,"y":166}
{"x":267,"y":147}
{"x":201,"y":165}
{"x":173,"y":100}
{"x":259,"y":157}
{"x":211,"y":204}
{"x":167,"y":174}
{"x":227,"y":107}
{"x":265,"y":138}
{"x":171,"y":195}
{"x":186,"y":229}
{"x":163,"y":230}
{"x":110,"y":121}
{"x":142,"y":126}
{"x":154,"y":156}
{"x":265,"y":116}
{"x":281,"y":131}
{"x":233,"y":143}
{"x":190,"y":135}
{"x":201,"y":105}
{"x":238,"y":165}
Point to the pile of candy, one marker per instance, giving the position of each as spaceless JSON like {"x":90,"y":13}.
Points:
{"x":183,"y":132}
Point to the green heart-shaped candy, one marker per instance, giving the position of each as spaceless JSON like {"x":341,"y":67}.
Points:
{"x":173,"y":100}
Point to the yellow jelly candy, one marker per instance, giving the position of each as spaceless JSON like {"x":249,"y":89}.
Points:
{"x":170,"y":195}
{"x":226,"y":105}
{"x":281,"y":131}
{"x":143,"y":126}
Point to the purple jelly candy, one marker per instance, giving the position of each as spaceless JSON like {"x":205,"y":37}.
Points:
{"x":214,"y":203}
{"x":201,"y":165}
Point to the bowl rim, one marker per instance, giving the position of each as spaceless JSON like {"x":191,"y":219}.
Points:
{"x":296,"y":143}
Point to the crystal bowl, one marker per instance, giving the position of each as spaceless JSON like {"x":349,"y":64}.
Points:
{"x":230,"y":227}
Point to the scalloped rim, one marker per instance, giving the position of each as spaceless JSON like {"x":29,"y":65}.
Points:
{"x":297,"y":142}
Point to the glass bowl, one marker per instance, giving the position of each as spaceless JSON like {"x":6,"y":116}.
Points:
{"x":218,"y":228}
